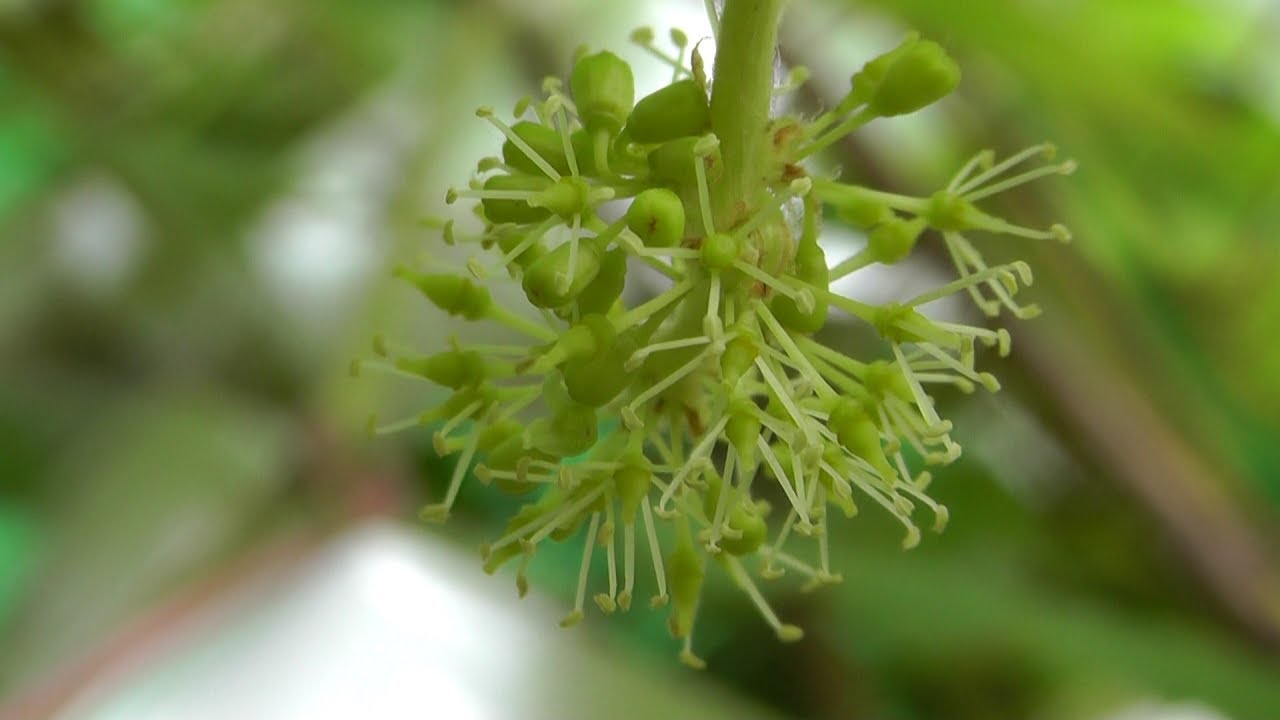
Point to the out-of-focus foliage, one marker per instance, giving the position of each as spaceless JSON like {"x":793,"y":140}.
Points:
{"x":198,"y":201}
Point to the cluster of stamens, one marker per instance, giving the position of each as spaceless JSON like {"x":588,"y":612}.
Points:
{"x":706,"y":422}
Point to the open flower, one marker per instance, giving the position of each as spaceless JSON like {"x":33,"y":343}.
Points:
{"x":658,"y":428}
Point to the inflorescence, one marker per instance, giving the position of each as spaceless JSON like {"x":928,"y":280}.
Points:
{"x":672,"y":423}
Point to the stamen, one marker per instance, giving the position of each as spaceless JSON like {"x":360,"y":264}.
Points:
{"x":923,"y":402}
{"x":999,"y":337}
{"x":789,"y":345}
{"x":655,"y":554}
{"x":722,"y":503}
{"x":475,"y":264}
{"x":549,"y":522}
{"x":422,"y":418}
{"x":452,"y":423}
{"x":486,"y":474}
{"x":824,"y":551}
{"x":1045,"y":149}
{"x":904,"y":427}
{"x":574,"y":617}
{"x":797,"y":476}
{"x":983,"y":159}
{"x":553,"y":87}
{"x":701,"y":150}
{"x":837,"y":193}
{"x":644,"y":38}
{"x":521,"y":324}
{"x":915,"y":423}
{"x":987,"y":380}
{"x":564,"y":278}
{"x":803,"y":298}
{"x":711,"y":324}
{"x":768,"y":571}
{"x":990,"y":308}
{"x":639,"y":357}
{"x":360,"y":366}
{"x":693,"y":462}
{"x":519,"y":404}
{"x":563,"y":126}
{"x":940,"y":513}
{"x":851,"y":264}
{"x":783,"y":480}
{"x":1065,"y":168}
{"x":629,"y":416}
{"x":785,"y":633}
{"x":681,"y":253}
{"x":628,"y":563}
{"x":799,"y":187}
{"x":845,"y":363}
{"x":913,"y":533}
{"x":792,"y":562}
{"x":785,"y":398}
{"x":1003,"y":294}
{"x":857,"y":120}
{"x":1003,"y":273}
{"x":529,"y":152}
{"x":607,"y":601}
{"x":440,"y":512}
{"x":647,"y":309}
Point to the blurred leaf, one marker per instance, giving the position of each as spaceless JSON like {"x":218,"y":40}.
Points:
{"x":155,"y":490}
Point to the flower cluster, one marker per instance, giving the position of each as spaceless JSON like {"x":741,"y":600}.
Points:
{"x":706,"y":423}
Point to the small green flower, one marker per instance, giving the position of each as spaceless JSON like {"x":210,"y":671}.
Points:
{"x":670,"y":422}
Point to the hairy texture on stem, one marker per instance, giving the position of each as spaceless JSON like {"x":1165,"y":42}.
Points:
{"x":741,"y":96}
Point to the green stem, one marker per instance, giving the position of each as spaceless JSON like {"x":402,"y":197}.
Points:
{"x":740,"y":103}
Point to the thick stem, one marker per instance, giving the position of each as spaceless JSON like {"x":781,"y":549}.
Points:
{"x":740,"y":103}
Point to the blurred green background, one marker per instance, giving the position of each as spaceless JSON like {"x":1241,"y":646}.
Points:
{"x":200,"y":201}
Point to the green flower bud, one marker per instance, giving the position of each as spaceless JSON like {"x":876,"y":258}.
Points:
{"x":675,"y":111}
{"x":568,"y":528}
{"x":603,"y":90}
{"x":568,"y":431}
{"x":867,"y":81}
{"x":544,"y":282}
{"x":452,"y":369}
{"x":684,"y":578}
{"x":594,"y":381}
{"x":859,"y":435}
{"x":525,"y":515}
{"x":918,"y":77}
{"x":509,"y":241}
{"x":893,"y":240}
{"x":671,"y":163}
{"x":515,"y":211}
{"x":632,"y":482}
{"x":738,"y":358}
{"x":862,"y":212}
{"x":656,"y":216}
{"x":811,"y":267}
{"x":719,"y":251}
{"x":742,"y":430}
{"x":746,"y":523}
{"x":547,"y":143}
{"x":451,"y":293}
{"x":883,"y":378}
{"x":837,"y":497}
{"x":496,"y":434}
{"x":601,"y":293}
{"x":566,"y":197}
{"x":751,"y":528}
{"x":948,"y":212}
{"x":507,"y":456}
